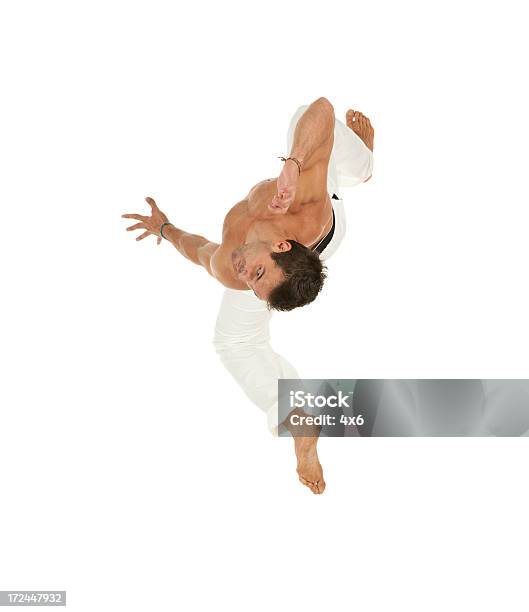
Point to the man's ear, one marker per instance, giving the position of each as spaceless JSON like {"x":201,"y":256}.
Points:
{"x":282,"y":246}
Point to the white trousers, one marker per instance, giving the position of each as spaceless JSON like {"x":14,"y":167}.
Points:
{"x":242,"y":331}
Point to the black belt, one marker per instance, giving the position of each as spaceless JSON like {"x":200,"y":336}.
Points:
{"x":324,"y":242}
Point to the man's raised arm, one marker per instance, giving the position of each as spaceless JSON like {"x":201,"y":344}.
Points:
{"x":313,"y":137}
{"x":312,"y":145}
{"x":196,"y":248}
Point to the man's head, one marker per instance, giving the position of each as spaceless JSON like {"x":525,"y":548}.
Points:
{"x":284,"y":273}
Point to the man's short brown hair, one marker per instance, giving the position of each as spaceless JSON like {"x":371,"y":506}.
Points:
{"x":304,"y":276}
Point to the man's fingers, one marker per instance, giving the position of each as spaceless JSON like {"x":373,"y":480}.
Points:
{"x":283,"y":202}
{"x":158,"y":241}
{"x":134,"y":216}
{"x":142,"y":236}
{"x":135,"y":226}
{"x":284,"y":195}
{"x":278,"y":208}
{"x":277,"y":201}
{"x":151,"y":203}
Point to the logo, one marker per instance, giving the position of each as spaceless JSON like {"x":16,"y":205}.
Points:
{"x":302,"y":399}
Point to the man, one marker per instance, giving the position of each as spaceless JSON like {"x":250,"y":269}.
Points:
{"x":270,"y":257}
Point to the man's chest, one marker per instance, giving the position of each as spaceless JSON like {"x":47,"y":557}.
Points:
{"x":307,"y":218}
{"x":307,"y":221}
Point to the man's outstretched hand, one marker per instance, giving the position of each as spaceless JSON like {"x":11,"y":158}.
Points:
{"x":151,"y":224}
{"x":287,"y":183}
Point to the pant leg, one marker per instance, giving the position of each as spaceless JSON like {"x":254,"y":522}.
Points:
{"x":353,"y":160}
{"x":242,"y":341}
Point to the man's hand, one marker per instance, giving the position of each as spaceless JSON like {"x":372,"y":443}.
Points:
{"x":151,"y":224}
{"x":287,"y":183}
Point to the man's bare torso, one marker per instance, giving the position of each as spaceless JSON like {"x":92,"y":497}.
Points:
{"x":307,"y":221}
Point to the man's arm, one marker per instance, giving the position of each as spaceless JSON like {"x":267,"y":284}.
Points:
{"x":197,"y":249}
{"x":312,"y":146}
{"x":313,"y":137}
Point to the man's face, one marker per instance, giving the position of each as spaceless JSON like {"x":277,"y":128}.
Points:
{"x":254,"y":266}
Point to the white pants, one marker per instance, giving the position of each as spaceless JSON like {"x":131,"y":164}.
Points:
{"x":242,"y":331}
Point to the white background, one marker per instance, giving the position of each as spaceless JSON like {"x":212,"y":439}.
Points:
{"x":134,"y":473}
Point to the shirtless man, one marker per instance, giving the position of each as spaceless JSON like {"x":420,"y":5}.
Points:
{"x":271,"y":246}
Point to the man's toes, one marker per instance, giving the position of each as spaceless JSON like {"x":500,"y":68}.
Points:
{"x":309,"y":484}
{"x":367,"y":126}
{"x":313,"y":487}
{"x":363,"y":121}
{"x":321,"y":486}
{"x":304,"y":481}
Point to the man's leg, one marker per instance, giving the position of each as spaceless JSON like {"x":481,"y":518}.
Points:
{"x":353,"y":149}
{"x":242,"y":341}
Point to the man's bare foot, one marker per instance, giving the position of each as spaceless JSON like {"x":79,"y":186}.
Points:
{"x":309,"y":468}
{"x":361,"y":126}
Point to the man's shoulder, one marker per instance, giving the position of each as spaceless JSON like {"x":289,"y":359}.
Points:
{"x":262,"y":189}
{"x":236,"y":213}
